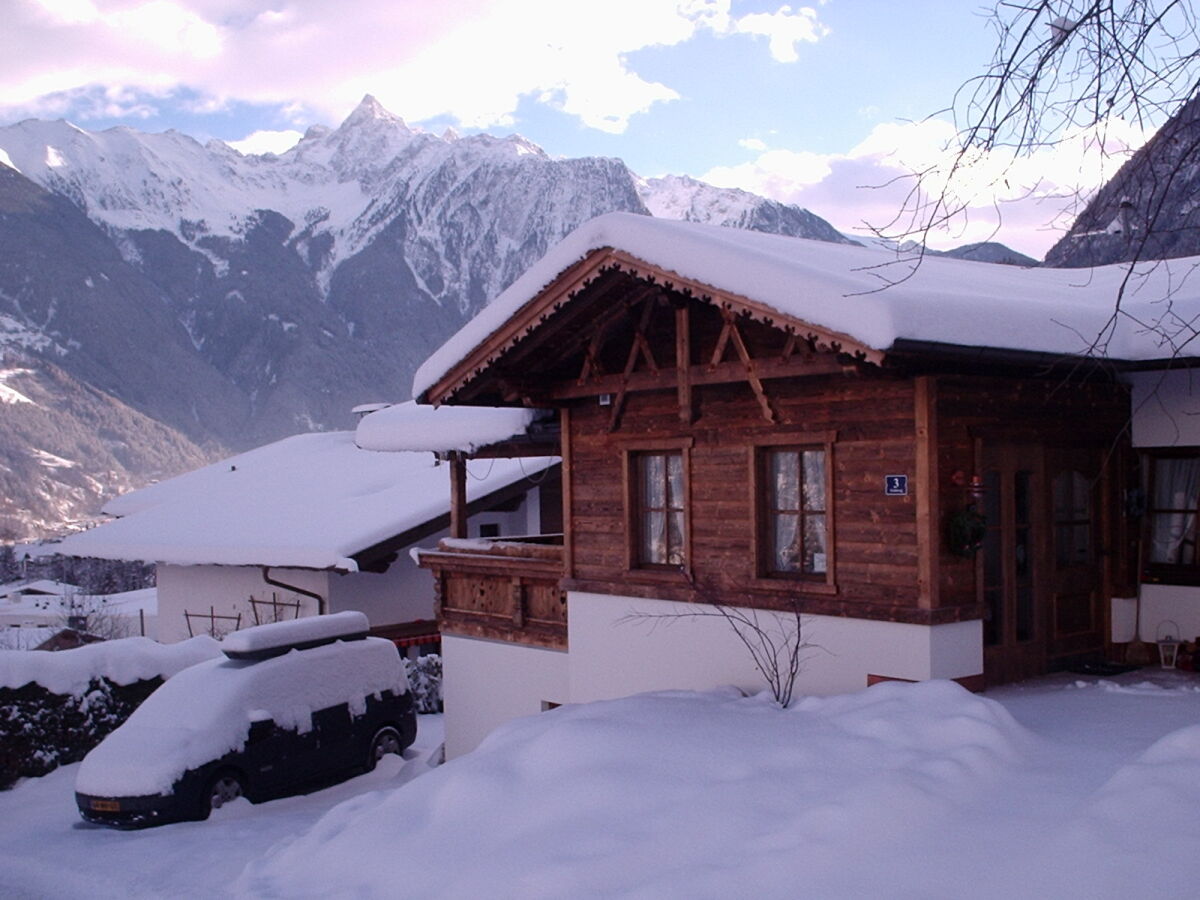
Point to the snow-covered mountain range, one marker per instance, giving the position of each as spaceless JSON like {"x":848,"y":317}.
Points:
{"x":237,"y":299}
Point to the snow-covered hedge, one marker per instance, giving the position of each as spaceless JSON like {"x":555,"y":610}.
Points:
{"x":425,"y":680}
{"x":55,"y":707}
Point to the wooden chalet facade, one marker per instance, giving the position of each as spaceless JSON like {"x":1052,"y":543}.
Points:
{"x":716,"y":449}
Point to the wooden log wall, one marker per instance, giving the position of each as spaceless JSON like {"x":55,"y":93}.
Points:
{"x":878,"y":540}
{"x":875,"y":546}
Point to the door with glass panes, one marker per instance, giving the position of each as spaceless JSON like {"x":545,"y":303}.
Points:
{"x":1011,"y":562}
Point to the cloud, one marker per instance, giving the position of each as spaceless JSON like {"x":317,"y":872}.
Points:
{"x":1026,"y":203}
{"x":266,"y":142}
{"x":784,"y":29}
{"x":472,"y":60}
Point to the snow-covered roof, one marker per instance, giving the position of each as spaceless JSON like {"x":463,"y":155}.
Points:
{"x":876,"y":297}
{"x":52,"y":607}
{"x":309,"y":501}
{"x":408,"y":426}
{"x":44,"y":587}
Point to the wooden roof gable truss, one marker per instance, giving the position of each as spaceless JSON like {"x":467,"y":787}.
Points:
{"x":613,"y":337}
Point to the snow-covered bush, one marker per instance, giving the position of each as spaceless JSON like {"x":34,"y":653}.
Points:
{"x":55,"y":707}
{"x":425,"y":680}
{"x":41,"y":730}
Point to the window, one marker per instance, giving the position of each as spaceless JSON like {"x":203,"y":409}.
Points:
{"x":795,"y":514}
{"x":659,"y":508}
{"x":1173,"y":497}
{"x":1072,"y":519}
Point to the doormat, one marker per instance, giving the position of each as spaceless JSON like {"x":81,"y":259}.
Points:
{"x":1102,"y":669}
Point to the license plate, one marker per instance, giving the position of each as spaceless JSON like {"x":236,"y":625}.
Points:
{"x":105,"y":805}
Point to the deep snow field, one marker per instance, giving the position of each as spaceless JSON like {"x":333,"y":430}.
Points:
{"x":1060,"y":788}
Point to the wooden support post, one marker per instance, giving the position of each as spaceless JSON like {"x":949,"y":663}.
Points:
{"x":565,"y":448}
{"x":458,"y":496}
{"x":929,"y":538}
{"x":683,"y":363}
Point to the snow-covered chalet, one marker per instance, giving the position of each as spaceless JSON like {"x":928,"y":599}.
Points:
{"x":952,"y":469}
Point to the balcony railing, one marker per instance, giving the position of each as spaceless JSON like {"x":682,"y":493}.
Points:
{"x":501,"y":588}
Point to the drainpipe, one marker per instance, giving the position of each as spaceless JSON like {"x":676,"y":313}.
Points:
{"x":266,"y":574}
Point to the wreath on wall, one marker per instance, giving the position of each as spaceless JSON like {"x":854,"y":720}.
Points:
{"x":966,"y":531}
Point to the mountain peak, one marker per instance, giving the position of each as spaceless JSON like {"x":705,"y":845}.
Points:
{"x":370,"y":110}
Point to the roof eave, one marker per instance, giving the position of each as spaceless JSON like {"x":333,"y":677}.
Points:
{"x":573,"y":280}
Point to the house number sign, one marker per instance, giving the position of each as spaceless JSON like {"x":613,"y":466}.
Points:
{"x":895,"y":485}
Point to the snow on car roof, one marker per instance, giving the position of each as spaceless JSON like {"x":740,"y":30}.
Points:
{"x":876,"y":296}
{"x":205,"y":712}
{"x":408,"y":426}
{"x":275,"y":635}
{"x":311,"y":501}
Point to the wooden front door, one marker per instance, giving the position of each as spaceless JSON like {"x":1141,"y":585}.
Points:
{"x":1011,"y":574}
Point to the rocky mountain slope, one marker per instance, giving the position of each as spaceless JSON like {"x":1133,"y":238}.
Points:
{"x":66,"y":447}
{"x":1149,"y":209}
{"x":237,"y":299}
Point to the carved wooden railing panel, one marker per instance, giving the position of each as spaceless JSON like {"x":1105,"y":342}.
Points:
{"x":500,"y":590}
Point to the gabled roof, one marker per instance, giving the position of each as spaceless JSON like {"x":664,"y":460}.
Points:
{"x":859,"y":300}
{"x":309,"y":501}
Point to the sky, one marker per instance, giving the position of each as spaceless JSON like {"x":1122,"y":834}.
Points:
{"x":830,"y":106}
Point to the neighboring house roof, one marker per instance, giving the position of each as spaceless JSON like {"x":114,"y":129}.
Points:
{"x":864,"y":299}
{"x":53,"y":606}
{"x":407,"y":426}
{"x":44,"y":587}
{"x":309,"y":501}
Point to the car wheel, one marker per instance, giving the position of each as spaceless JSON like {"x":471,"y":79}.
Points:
{"x":386,"y":740}
{"x":225,"y":787}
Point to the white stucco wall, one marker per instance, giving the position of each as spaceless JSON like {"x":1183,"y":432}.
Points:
{"x":613,"y":658}
{"x":487,"y":683}
{"x":1166,"y":408}
{"x":227,"y":590}
{"x":404,"y":593}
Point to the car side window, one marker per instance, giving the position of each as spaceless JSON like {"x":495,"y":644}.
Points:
{"x":260,"y":731}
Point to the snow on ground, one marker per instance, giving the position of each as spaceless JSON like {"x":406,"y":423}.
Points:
{"x":47,"y":851}
{"x":1061,"y":788}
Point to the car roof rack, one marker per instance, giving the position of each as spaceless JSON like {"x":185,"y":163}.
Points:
{"x":278,"y":638}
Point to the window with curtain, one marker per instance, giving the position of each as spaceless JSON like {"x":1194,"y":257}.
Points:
{"x":1173,"y":496}
{"x":794,"y":519}
{"x":660,"y":508}
{"x":1172,"y":481}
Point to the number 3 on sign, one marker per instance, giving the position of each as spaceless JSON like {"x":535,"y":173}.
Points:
{"x":895,"y":485}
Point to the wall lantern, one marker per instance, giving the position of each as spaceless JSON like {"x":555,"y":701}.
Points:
{"x":1168,"y":643}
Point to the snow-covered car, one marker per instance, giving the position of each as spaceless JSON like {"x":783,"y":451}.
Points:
{"x":290,"y":707}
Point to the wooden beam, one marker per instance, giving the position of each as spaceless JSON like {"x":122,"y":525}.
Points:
{"x":748,"y":361}
{"x":929,"y":539}
{"x":698,"y":375}
{"x":458,"y":496}
{"x":683,"y":363}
